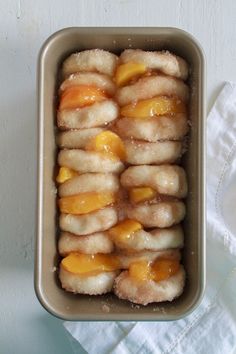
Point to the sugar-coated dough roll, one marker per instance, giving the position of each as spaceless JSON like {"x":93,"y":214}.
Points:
{"x":97,"y":221}
{"x":146,"y":292}
{"x":98,"y":114}
{"x":126,"y":259}
{"x":99,"y":242}
{"x":163,"y":214}
{"x":97,"y":60}
{"x":165,"y":179}
{"x":90,"y":182}
{"x":163,"y":61}
{"x":154,"y":129}
{"x":101,"y":81}
{"x":161,"y":152}
{"x":148,"y":87}
{"x":101,"y":283}
{"x":76,"y":139}
{"x":89,"y":161}
{"x":154,"y":240}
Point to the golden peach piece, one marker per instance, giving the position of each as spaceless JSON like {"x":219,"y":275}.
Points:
{"x":161,"y":269}
{"x":85,"y":202}
{"x":107,"y":142}
{"x":164,"y":268}
{"x":80,"y":96}
{"x":160,"y":105}
{"x":141,"y":194}
{"x":90,"y":264}
{"x":65,"y":173}
{"x":124,"y":230}
{"x":125,"y":72}
{"x":140,"y":271}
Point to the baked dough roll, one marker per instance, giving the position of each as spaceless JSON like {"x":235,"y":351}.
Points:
{"x":151,"y":86}
{"x":155,"y":128}
{"x":98,"y":284}
{"x":95,"y":60}
{"x":145,"y":153}
{"x":163,"y":61}
{"x":97,"y":221}
{"x":99,"y":242}
{"x":101,"y":81}
{"x":165,"y":179}
{"x":149,"y":291}
{"x":154,"y":240}
{"x":98,"y":114}
{"x":89,"y":161}
{"x":126,"y":259}
{"x":76,"y":139}
{"x":90,"y":182}
{"x":163,"y":214}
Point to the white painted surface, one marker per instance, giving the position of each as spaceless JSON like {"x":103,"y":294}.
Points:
{"x":25,"y":326}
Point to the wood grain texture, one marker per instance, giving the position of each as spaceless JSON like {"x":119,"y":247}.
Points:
{"x":24,"y":25}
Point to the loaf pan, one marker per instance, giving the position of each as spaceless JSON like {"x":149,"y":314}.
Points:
{"x":49,"y":292}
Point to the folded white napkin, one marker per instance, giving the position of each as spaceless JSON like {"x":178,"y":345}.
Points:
{"x":211,"y":328}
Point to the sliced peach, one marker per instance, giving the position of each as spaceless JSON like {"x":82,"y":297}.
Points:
{"x":64,"y":174}
{"x":154,"y":106}
{"x":107,"y":142}
{"x":164,"y":268}
{"x":141,"y":194}
{"x":125,"y":72}
{"x":161,"y":269}
{"x":124,"y":230}
{"x":85,"y":202}
{"x":80,"y":96}
{"x":140,"y":271}
{"x":90,"y":264}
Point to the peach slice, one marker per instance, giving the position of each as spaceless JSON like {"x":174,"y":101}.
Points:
{"x":141,"y":194}
{"x":80,"y":96}
{"x":85,"y":202}
{"x":90,"y":264}
{"x":161,"y":269}
{"x":125,"y":72}
{"x":154,"y":106}
{"x":64,"y":174}
{"x":140,"y":271}
{"x":107,"y":142}
{"x":164,"y":268}
{"x":124,"y":230}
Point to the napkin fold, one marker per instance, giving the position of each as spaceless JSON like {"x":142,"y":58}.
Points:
{"x":211,"y":328}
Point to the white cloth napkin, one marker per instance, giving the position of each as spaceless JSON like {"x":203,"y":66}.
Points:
{"x":211,"y":328}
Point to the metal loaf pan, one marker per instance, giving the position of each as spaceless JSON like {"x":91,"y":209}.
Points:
{"x":76,"y":307}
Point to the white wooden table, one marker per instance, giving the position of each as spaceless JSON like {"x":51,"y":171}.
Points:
{"x":25,"y":24}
